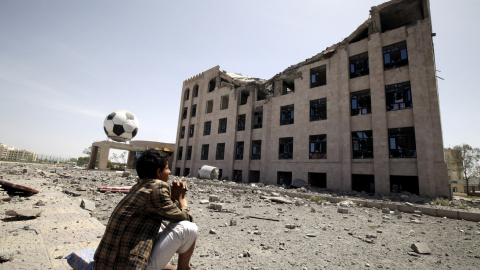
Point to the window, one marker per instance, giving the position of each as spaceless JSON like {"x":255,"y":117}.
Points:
{"x":237,"y":175}
{"x":285,"y":148}
{"x":177,"y":171}
{"x":288,"y":86}
{"x":241,"y":122}
{"x":187,"y":94}
{"x":363,"y":182}
{"x":186,"y":172}
{"x":399,"y":183}
{"x":318,"y":109}
{"x":182,"y":132}
{"x":180,"y":153}
{"x":195,"y":91}
{"x":362,"y":144}
{"x":318,"y":146}
{"x":239,"y":151}
{"x":359,"y":65}
{"x":257,"y":117}
{"x":244,"y":97}
{"x":206,"y":128}
{"x":212,"y":84}
{"x":284,"y":178}
{"x":220,"y":173}
{"x":184,"y":115}
{"x":318,"y":76}
{"x":395,"y":55}
{"x":192,"y":129}
{"x":204,"y":155}
{"x":402,"y":142}
{"x":317,"y":180}
{"x":261,"y":95}
{"x":194,"y":110}
{"x":361,"y":103}
{"x":254,"y":177}
{"x":398,"y":96}
{"x":224,"y":102}
{"x":209,"y":107}
{"x":256,"y":149}
{"x":220,"y":151}
{"x":286,"y":115}
{"x":189,"y":152}
{"x":222,"y":125}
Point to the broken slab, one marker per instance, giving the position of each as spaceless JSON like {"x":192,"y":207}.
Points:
{"x":278,"y":199}
{"x":24,"y":213}
{"x":87,"y":205}
{"x":421,"y":248}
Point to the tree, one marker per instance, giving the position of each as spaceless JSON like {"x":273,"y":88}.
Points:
{"x":466,"y":160}
{"x":88,"y":151}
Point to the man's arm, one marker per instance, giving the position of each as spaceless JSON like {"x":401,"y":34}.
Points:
{"x":161,"y":203}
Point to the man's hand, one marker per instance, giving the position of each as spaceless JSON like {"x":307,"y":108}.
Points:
{"x":179,"y":190}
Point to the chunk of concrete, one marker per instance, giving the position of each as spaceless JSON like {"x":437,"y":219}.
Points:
{"x":421,"y":248}
{"x":279,"y":199}
{"x":30,"y":213}
{"x":213,"y":198}
{"x":342,"y":210}
{"x":87,"y":205}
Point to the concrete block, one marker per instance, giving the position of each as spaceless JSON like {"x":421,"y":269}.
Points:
{"x":214,"y":198}
{"x":406,"y":208}
{"x":427,"y":211}
{"x":469,"y":216}
{"x":390,"y":206}
{"x":375,"y":204}
{"x":334,"y":199}
{"x":342,"y":210}
{"x":421,"y":248}
{"x":216,"y":206}
{"x":447,"y":213}
{"x":87,"y":205}
{"x":360,"y":202}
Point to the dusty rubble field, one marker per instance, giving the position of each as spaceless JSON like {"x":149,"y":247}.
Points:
{"x":253,"y":232}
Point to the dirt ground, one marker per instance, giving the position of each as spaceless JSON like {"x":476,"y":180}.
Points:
{"x":253,"y":232}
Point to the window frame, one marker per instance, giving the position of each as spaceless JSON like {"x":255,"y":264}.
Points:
{"x":222,"y":125}
{"x":399,"y":48}
{"x":391,"y":92}
{"x":318,"y":76}
{"x":317,"y":108}
{"x":220,"y":153}
{"x":239,"y":146}
{"x":357,"y":65}
{"x":191,"y":131}
{"x":204,"y":152}
{"x":287,"y":115}
{"x":319,"y":141}
{"x":256,"y":150}
{"x":285,"y":148}
{"x":396,"y":142}
{"x":205,"y":124}
{"x":363,"y":96}
{"x":193,"y":111}
{"x":362,"y":138}
{"x":241,"y":118}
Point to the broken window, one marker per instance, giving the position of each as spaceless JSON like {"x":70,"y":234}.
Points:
{"x":186,"y":172}
{"x":362,"y":144}
{"x":398,"y":96}
{"x":402,"y":142}
{"x":220,"y":173}
{"x":256,"y":149}
{"x":288,"y":86}
{"x":318,"y":76}
{"x":209,"y":107}
{"x":212,"y":84}
{"x":318,"y":109}
{"x":194,"y":110}
{"x":359,"y":65}
{"x":254,"y":177}
{"x":258,"y":117}
{"x":317,"y":180}
{"x":180,"y":152}
{"x":285,"y":148}
{"x":182,"y":132}
{"x":222,"y":125}
{"x":244,"y":97}
{"x":363,"y":182}
{"x":184,"y":114}
{"x":237,"y":175}
{"x":239,"y":151}
{"x":204,"y":155}
{"x":318,"y":146}
{"x":395,"y":55}
{"x":192,"y":129}
{"x":220,"y":151}
{"x":286,"y":115}
{"x":177,"y":171}
{"x":241,"y":122}
{"x":284,"y":178}
{"x":189,"y":152}
{"x":261,"y":95}
{"x":224,"y":102}
{"x":399,"y":183}
{"x":360,"y":102}
{"x":206,"y":128}
{"x":187,"y":93}
{"x":195,"y":91}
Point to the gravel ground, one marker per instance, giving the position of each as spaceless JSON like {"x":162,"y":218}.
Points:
{"x":253,"y":232}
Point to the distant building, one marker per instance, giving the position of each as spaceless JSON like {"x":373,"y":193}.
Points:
{"x":361,"y":115}
{"x":11,"y":154}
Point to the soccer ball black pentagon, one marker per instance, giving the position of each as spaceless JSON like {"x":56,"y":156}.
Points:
{"x":121,"y":125}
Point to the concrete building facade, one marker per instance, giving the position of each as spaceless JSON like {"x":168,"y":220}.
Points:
{"x":12,"y":154}
{"x":361,"y":115}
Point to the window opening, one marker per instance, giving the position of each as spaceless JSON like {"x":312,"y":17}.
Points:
{"x":256,"y":149}
{"x":204,"y":155}
{"x":318,"y":146}
{"x":237,"y":175}
{"x":212,"y":85}
{"x":254,"y":177}
{"x":261,"y":95}
{"x":285,"y":148}
{"x":195,"y":91}
{"x":395,"y":55}
{"x":209,"y":108}
{"x":182,"y":132}
{"x":194,"y":110}
{"x":180,"y":153}
{"x":184,"y":114}
{"x":359,"y":65}
{"x":177,"y":171}
{"x":286,"y":115}
{"x":187,"y":93}
{"x":192,"y":129}
{"x":284,"y":178}
{"x":400,"y":183}
{"x":206,"y":128}
{"x":362,"y":144}
{"x":224,"y":102}
{"x":318,"y":109}
{"x":317,"y":180}
{"x":363,"y":183}
{"x":220,"y":151}
{"x":318,"y":76}
{"x":189,"y":152}
{"x":398,"y":96}
{"x":288,"y":86}
{"x":402,"y":142}
{"x":239,"y":151}
{"x":222,"y":125}
{"x":241,"y":122}
{"x":186,"y":172}
{"x":244,"y":97}
{"x":361,"y":103}
{"x":258,"y":117}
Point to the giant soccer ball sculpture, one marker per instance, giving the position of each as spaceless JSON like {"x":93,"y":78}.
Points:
{"x":121,"y":126}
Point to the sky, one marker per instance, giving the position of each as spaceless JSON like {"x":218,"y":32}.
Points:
{"x":65,"y":65}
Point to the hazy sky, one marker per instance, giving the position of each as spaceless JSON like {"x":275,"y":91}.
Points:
{"x":65,"y":65}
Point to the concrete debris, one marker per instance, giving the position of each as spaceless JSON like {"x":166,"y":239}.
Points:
{"x":279,"y":199}
{"x":346,"y":204}
{"x":213,"y":198}
{"x":298,"y":183}
{"x":87,"y":205}
{"x":6,"y":257}
{"x":41,"y":203}
{"x":204,"y":201}
{"x":233,"y":222}
{"x":212,"y":231}
{"x":342,"y":210}
{"x":216,"y":206}
{"x":421,"y":248}
{"x":290,"y":226}
{"x":29,"y":213}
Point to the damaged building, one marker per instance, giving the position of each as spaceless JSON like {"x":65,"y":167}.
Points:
{"x":361,"y":115}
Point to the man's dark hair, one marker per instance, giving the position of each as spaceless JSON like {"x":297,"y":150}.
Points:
{"x":149,"y":162}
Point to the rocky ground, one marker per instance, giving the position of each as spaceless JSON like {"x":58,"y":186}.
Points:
{"x":249,"y":230}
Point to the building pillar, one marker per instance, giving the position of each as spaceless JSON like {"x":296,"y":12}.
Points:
{"x":103,"y":161}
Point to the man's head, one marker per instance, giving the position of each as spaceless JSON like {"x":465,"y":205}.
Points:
{"x":151,"y":162}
